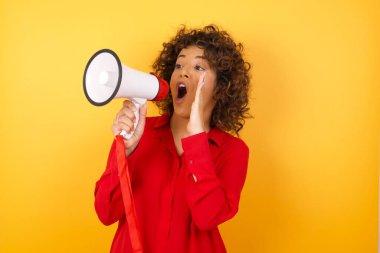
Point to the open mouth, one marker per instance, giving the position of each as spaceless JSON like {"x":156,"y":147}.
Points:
{"x":182,"y":91}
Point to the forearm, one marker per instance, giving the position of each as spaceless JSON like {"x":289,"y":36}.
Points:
{"x":213,"y":197}
{"x":108,"y":198}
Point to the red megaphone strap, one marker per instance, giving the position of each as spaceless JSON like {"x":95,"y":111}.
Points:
{"x":126,"y":191}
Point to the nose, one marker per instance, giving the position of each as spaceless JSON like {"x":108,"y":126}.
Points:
{"x":184,"y":73}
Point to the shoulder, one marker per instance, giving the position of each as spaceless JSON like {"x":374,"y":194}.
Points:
{"x":228,"y":142}
{"x":150,"y":136}
{"x":150,"y":121}
{"x":156,"y":121}
{"x":154,"y":125}
{"x":233,"y":155}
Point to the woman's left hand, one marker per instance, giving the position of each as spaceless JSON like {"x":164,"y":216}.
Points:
{"x":196,"y":122}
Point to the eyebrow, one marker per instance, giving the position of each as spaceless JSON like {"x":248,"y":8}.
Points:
{"x":198,"y":56}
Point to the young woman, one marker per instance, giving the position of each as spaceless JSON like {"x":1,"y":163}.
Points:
{"x":186,"y":171}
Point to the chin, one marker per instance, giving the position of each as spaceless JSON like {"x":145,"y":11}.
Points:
{"x":181,"y":112}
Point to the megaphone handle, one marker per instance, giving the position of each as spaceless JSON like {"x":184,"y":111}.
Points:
{"x":138,"y":103}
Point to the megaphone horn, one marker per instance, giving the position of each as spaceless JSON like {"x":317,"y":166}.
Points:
{"x":106,"y":78}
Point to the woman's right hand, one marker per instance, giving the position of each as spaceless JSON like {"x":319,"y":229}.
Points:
{"x":125,"y":119}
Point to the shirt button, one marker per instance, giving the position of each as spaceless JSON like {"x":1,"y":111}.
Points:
{"x":191,"y":162}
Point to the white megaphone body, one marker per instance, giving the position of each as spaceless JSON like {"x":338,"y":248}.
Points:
{"x":106,"y":78}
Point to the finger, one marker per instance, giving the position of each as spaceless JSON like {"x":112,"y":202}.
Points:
{"x":126,"y":127}
{"x":139,"y":128}
{"x":127,"y":113}
{"x":129,"y":104}
{"x":125,"y":120}
{"x":201,"y":80}
{"x":118,"y":128}
{"x":201,"y":83}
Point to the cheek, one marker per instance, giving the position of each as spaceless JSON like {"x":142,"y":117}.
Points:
{"x":171,"y":83}
{"x":171,"y":77}
{"x":211,"y":84}
{"x":209,"y":89}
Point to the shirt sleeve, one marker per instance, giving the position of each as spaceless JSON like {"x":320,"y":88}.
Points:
{"x":108,"y":199}
{"x":213,"y":196}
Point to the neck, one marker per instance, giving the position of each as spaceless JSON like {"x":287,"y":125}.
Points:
{"x":178,"y":126}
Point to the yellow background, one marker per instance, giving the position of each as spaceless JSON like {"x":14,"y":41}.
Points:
{"x":312,"y":184}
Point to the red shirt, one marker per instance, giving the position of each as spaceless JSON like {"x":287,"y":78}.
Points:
{"x":180,"y":200}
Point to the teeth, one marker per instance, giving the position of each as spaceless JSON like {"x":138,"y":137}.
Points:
{"x":181,"y":85}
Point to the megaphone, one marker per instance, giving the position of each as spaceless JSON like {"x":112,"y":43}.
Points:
{"x":106,"y":78}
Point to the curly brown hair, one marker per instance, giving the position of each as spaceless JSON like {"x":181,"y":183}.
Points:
{"x":225,"y":57}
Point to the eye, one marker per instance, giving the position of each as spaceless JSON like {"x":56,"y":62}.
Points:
{"x":178,"y":66}
{"x":199,"y":68}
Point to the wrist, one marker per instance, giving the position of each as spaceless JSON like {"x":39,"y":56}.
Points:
{"x":193,"y":130}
